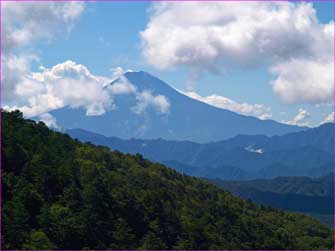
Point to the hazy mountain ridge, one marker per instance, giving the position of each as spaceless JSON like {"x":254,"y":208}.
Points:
{"x":305,"y":153}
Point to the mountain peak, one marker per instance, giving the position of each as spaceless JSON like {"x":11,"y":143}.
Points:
{"x":145,"y":81}
{"x":137,"y":73}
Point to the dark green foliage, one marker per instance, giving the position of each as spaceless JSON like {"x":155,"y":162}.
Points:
{"x":321,"y":186}
{"x":62,"y":194}
{"x":314,"y":196}
{"x":38,"y":240}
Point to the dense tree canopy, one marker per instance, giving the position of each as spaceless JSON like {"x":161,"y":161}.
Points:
{"x":59,"y":193}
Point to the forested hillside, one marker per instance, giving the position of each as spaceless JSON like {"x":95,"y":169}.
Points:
{"x":313,"y":196}
{"x":59,"y":193}
{"x":321,"y":186}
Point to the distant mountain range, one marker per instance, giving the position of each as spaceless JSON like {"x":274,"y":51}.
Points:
{"x":187,"y":119}
{"x":314,"y":196}
{"x":304,"y":153}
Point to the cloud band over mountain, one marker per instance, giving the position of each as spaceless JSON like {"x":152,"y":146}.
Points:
{"x":286,"y":37}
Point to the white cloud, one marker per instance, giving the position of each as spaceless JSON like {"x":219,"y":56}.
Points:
{"x":300,"y":119}
{"x":122,"y":86}
{"x":118,"y":72}
{"x":146,"y":99}
{"x":27,"y":22}
{"x":49,"y":120}
{"x":304,"y":81}
{"x":328,"y":119}
{"x":72,"y":85}
{"x":13,"y":68}
{"x":67,"y":84}
{"x":257,"y":110}
{"x":245,"y":35}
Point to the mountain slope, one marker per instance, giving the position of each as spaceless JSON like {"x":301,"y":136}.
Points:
{"x":305,"y":153}
{"x":63,"y":194}
{"x":300,"y":194}
{"x":322,"y":186}
{"x":187,"y":119}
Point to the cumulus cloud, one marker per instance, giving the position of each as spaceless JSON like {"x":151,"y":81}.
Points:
{"x":328,"y":119}
{"x":122,"y":86}
{"x":13,"y":68}
{"x":118,"y":72}
{"x":67,"y":84}
{"x":257,"y":110}
{"x":146,"y":99}
{"x":304,"y":81}
{"x":49,"y":120}
{"x":300,"y":119}
{"x":27,"y":22}
{"x":279,"y":35}
{"x":72,"y":85}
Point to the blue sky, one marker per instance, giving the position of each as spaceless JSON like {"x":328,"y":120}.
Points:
{"x":106,"y":35}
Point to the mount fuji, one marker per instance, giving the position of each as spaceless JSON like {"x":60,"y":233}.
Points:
{"x":186,"y":119}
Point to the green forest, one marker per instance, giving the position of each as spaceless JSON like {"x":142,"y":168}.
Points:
{"x":58,"y":193}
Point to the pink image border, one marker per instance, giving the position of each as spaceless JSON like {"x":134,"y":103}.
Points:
{"x":97,"y":1}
